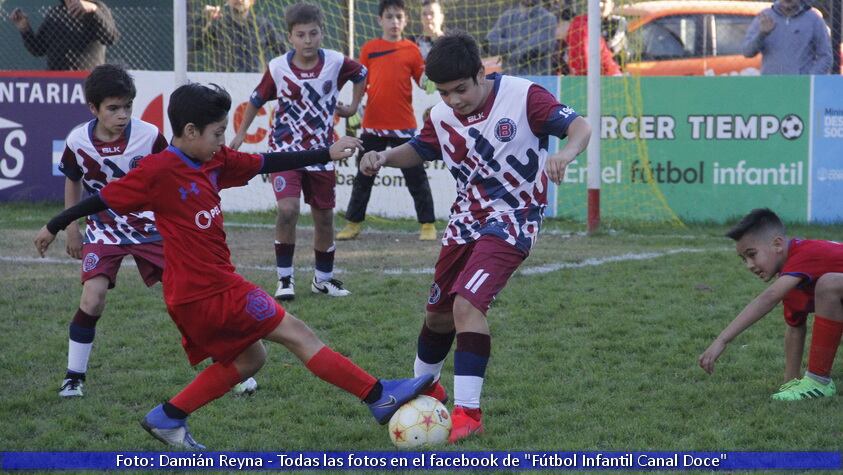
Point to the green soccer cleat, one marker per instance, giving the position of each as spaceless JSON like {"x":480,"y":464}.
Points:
{"x":805,"y":388}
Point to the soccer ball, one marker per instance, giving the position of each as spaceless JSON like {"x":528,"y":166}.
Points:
{"x":424,"y":421}
{"x":791,"y":127}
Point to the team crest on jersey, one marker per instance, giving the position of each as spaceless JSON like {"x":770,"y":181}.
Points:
{"x":260,"y":305}
{"x":133,"y":163}
{"x":327,"y":86}
{"x":90,"y":262}
{"x":505,"y":130}
{"x":435,"y":294}
{"x":279,"y":183}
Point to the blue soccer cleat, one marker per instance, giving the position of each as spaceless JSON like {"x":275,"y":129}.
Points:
{"x":395,"y":393}
{"x":173,"y":432}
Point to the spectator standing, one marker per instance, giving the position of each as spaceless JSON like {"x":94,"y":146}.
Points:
{"x":389,"y":121}
{"x":524,"y":37}
{"x":432,"y":18}
{"x":235,"y":39}
{"x":577,"y":40}
{"x":792,"y":39}
{"x":73,"y":35}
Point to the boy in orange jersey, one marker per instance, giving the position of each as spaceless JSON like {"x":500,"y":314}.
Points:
{"x":392,"y":62}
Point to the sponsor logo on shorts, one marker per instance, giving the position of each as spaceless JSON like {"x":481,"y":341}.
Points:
{"x":279,"y":183}
{"x":505,"y":130}
{"x":260,"y":305}
{"x":435,"y":294}
{"x":90,"y":262}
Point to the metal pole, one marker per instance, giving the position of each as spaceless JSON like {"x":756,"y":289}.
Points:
{"x":180,"y":41}
{"x":594,"y":114}
{"x":351,"y":28}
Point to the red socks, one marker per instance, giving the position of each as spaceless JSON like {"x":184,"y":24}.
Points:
{"x":340,"y":371}
{"x":825,"y":338}
{"x":211,"y":383}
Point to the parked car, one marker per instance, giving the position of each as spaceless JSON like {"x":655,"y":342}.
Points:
{"x":689,"y":38}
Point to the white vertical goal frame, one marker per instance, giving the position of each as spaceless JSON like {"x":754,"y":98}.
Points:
{"x":594,"y":114}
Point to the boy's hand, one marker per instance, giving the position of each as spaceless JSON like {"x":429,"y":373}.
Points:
{"x":19,"y":19}
{"x":345,"y":147}
{"x":557,"y":163}
{"x":43,"y":240}
{"x":74,"y":243}
{"x":371,"y":163}
{"x":345,"y":110}
{"x":710,"y":355}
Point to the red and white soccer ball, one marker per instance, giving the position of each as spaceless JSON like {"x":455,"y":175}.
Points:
{"x":424,"y":421}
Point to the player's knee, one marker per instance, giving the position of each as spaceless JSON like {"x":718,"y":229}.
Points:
{"x":288,"y":211}
{"x":439,"y":322}
{"x":465,"y":311}
{"x":829,"y":286}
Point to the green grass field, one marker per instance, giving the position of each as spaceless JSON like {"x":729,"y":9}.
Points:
{"x":594,"y":347}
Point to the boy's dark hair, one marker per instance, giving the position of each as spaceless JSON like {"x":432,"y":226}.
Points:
{"x":429,"y":2}
{"x":197,"y":104}
{"x":453,"y":57}
{"x":384,"y":4}
{"x":759,"y":220}
{"x":108,"y":80}
{"x":301,"y":14}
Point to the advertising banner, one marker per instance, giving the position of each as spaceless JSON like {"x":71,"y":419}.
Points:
{"x":827,"y":150}
{"x":680,"y":147}
{"x":37,"y":111}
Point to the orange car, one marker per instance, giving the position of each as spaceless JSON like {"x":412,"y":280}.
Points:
{"x":690,"y":38}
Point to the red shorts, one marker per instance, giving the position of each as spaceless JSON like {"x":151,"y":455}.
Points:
{"x":105,"y":259}
{"x":223,"y":325}
{"x":318,"y":187}
{"x":477,"y":271}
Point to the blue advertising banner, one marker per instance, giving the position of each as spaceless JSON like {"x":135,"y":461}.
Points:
{"x":37,"y":111}
{"x":387,"y":461}
{"x":827,"y":153}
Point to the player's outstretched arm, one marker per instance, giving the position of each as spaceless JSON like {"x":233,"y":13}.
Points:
{"x":579,"y":134}
{"x":72,"y":196}
{"x":47,"y":234}
{"x":275,"y":162}
{"x":402,"y":156}
{"x":248,"y":116}
{"x":753,"y":312}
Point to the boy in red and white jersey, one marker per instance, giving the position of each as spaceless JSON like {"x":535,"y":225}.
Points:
{"x":96,"y":153}
{"x":305,"y":82}
{"x":806,"y":276}
{"x":492,"y":132}
{"x":219,"y":314}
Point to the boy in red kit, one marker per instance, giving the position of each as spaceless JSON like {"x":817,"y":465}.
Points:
{"x":219,"y":314}
{"x":305,"y":83}
{"x":807,"y":277}
{"x":492,"y":132}
{"x":97,"y":152}
{"x":388,"y":121}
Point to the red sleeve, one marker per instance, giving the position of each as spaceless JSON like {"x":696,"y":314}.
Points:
{"x":546,"y":115}
{"x":69,"y":166}
{"x":265,"y":91}
{"x":160,"y":144}
{"x":352,"y":71}
{"x":133,"y":192}
{"x":238,"y":167}
{"x":803,"y":263}
{"x":426,"y":143}
{"x":608,"y":66}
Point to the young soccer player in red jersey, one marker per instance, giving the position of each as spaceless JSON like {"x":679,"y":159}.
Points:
{"x":305,"y":82}
{"x":388,"y":121}
{"x":806,"y":276}
{"x":219,"y":314}
{"x":492,"y":132}
{"x":95,"y":153}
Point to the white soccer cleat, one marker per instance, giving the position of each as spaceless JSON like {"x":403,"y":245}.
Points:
{"x":332,"y":287}
{"x":71,"y":388}
{"x":286,"y":289}
{"x":246,"y":388}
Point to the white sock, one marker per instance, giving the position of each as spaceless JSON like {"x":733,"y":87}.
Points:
{"x":467,"y":391}
{"x":421,"y":368}
{"x":284,"y":272}
{"x":77,"y":356}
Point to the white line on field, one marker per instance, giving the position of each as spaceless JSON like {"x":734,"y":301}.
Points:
{"x":529,"y":270}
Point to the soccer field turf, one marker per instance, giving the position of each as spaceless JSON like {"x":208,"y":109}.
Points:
{"x":594,"y":347}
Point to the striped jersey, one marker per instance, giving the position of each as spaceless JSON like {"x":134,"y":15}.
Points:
{"x":97,"y":163}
